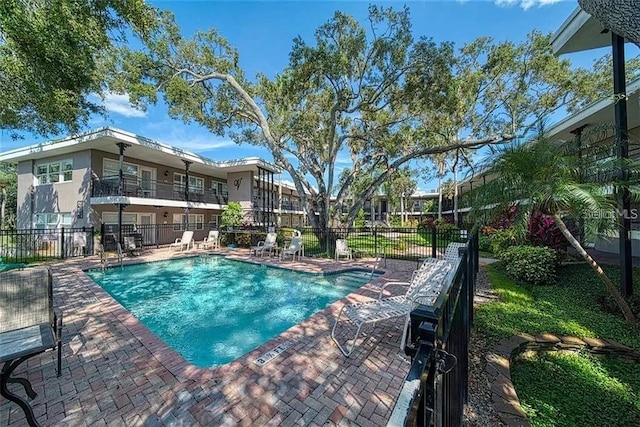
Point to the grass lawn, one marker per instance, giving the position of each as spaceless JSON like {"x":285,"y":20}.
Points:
{"x":566,"y":389}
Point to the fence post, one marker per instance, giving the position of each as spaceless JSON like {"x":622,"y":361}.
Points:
{"x":326,"y":233}
{"x":91,"y":250}
{"x":434,"y":235}
{"x":375,"y":239}
{"x":62,"y":254}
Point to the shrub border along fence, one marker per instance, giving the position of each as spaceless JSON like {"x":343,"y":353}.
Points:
{"x":435,"y":389}
{"x":28,"y":245}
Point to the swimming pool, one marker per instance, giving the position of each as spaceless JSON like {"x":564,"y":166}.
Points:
{"x":212,"y":310}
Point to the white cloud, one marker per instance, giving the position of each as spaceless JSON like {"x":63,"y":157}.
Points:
{"x":525,"y":4}
{"x":198,"y":143}
{"x":119,"y":104}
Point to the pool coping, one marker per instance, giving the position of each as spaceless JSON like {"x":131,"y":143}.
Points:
{"x":187,"y":370}
{"x":115,"y":370}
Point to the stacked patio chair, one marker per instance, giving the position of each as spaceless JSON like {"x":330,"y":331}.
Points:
{"x":29,"y":325}
{"x":424,"y":288}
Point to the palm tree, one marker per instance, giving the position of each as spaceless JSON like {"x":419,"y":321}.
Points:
{"x":544,"y":176}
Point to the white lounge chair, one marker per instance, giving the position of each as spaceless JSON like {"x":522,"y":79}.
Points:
{"x":452,"y":253}
{"x":342,"y":249}
{"x":185,"y":241}
{"x":268,"y":244}
{"x":294,"y":248}
{"x":424,"y":288}
{"x":212,"y":241}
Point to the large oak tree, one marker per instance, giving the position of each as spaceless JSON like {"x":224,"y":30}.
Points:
{"x":49,"y":52}
{"x":367,"y":90}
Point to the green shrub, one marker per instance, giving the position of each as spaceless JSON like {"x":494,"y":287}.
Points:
{"x":232,"y":216}
{"x":531,"y":264}
{"x":243,"y":240}
{"x":484,"y":243}
{"x":503,"y":239}
{"x":360,"y":219}
{"x":444,"y":225}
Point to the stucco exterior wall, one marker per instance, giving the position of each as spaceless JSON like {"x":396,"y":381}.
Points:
{"x":26,"y":181}
{"x":241,"y":190}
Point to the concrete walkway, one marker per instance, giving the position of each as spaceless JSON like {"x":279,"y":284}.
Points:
{"x":116,"y":372}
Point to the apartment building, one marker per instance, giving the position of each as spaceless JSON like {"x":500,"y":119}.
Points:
{"x":110,"y":176}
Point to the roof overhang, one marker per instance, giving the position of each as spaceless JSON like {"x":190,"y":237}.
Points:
{"x":598,"y":113}
{"x":579,"y":32}
{"x":142,"y":148}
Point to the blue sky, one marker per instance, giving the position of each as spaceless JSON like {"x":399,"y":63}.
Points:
{"x":263,"y":33}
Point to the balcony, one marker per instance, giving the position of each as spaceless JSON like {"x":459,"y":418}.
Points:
{"x":110,"y":186}
{"x":290,"y":206}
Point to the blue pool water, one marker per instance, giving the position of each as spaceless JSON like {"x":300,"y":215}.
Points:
{"x":212,"y":310}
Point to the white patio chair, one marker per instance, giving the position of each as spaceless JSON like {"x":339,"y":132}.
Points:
{"x":452,"y":253}
{"x":185,"y":241}
{"x":424,"y":288}
{"x":294,"y":248}
{"x":268,"y":244}
{"x":342,"y":249}
{"x":212,"y":241}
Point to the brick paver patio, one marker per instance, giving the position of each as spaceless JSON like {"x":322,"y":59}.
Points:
{"x":116,"y":372}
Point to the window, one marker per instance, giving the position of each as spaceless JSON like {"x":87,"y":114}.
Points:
{"x":112,"y":218}
{"x":215,"y":220}
{"x":52,"y":221}
{"x":196,"y":222}
{"x":50,"y":173}
{"x":196,"y":185}
{"x":112,"y":168}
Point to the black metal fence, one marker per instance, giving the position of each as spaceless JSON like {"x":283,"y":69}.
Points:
{"x":29,"y":245}
{"x":435,"y":390}
{"x":399,"y":243}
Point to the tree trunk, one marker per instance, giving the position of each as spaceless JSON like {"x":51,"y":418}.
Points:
{"x":455,"y":195}
{"x":620,"y":16}
{"x":440,"y":197}
{"x":3,"y":206}
{"x":617,"y":296}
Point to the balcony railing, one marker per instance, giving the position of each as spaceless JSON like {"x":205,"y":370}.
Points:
{"x":291,"y":206}
{"x":112,"y":186}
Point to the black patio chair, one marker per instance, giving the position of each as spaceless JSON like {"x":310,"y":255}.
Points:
{"x":29,"y":325}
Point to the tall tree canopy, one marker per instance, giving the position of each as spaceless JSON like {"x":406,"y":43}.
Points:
{"x":8,"y":195}
{"x":370,"y":91}
{"x":48,"y":58}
